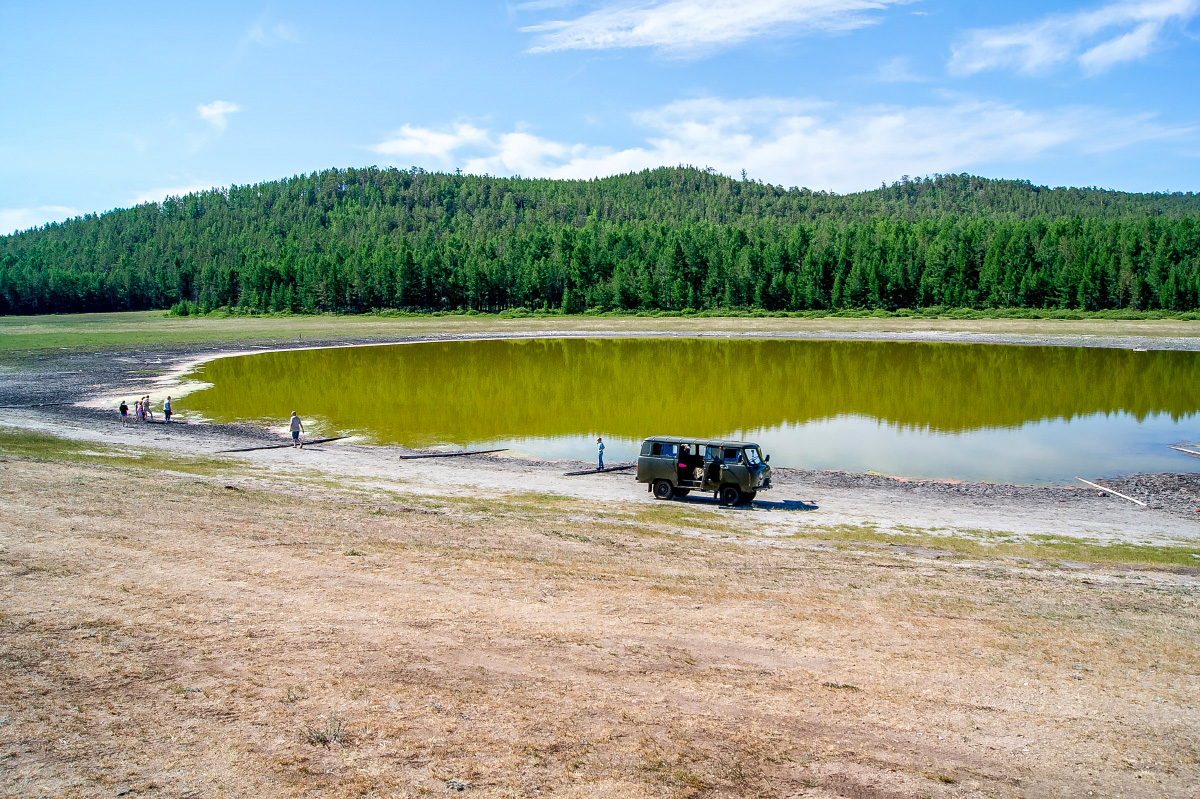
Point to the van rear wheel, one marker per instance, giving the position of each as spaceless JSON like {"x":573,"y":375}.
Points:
{"x":729,"y":495}
{"x":663,"y":489}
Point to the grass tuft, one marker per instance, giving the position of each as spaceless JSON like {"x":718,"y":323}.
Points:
{"x":331,"y":732}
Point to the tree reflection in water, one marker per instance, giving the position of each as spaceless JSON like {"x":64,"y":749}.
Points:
{"x":486,"y":391}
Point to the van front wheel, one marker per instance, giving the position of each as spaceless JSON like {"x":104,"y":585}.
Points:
{"x":663,"y":490}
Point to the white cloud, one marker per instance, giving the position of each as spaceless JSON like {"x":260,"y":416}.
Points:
{"x":412,"y":142}
{"x":1096,"y":40}
{"x":13,"y":220}
{"x":158,"y":195}
{"x":684,"y":26}
{"x":802,"y":143}
{"x":215,"y":112}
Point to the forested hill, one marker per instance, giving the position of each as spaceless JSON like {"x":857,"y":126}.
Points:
{"x":671,"y":238}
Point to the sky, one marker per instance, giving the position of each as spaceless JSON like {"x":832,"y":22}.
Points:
{"x":106,"y":105}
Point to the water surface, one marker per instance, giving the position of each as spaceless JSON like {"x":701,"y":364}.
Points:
{"x":966,"y":411}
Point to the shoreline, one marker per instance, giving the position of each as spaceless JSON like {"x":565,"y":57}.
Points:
{"x":886,"y":502}
{"x":175,"y":362}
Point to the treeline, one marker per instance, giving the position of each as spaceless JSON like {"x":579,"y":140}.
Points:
{"x":670,"y":239}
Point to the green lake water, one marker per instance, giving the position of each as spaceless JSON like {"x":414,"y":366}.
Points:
{"x":966,"y":411}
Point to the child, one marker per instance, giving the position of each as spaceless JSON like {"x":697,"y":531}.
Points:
{"x":297,"y":427}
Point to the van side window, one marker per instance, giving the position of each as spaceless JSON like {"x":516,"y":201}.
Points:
{"x":663,"y":450}
{"x":710,"y":453}
{"x":732,"y":455}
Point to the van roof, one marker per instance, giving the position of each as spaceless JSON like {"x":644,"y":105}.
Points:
{"x":704,"y":442}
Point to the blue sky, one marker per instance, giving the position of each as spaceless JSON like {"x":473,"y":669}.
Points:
{"x":107,"y":105}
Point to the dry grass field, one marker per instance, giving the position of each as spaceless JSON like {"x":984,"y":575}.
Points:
{"x":204,"y":632}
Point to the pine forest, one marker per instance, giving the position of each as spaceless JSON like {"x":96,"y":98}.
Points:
{"x":670,"y":239}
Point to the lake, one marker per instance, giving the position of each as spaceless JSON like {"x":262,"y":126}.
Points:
{"x":963,"y":411}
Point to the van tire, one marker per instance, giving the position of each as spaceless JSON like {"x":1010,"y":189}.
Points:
{"x":663,"y":489}
{"x":729,"y":495}
{"x":680,"y":493}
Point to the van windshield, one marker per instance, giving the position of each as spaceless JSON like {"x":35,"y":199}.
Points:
{"x":752,"y":457}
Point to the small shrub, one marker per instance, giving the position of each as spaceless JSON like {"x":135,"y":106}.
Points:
{"x":333,"y":731}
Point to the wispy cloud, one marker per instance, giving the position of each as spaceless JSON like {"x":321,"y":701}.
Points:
{"x":215,"y":112}
{"x":898,"y":70}
{"x":270,"y":34}
{"x":793,"y":142}
{"x":539,"y":5}
{"x":14,"y":220}
{"x":682,"y":27}
{"x":266,"y":33}
{"x":160,"y":194}
{"x":1096,"y":40}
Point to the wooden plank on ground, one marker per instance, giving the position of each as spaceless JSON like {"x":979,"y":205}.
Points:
{"x":1109,"y":490}
{"x":451,"y":454}
{"x":601,"y":471}
{"x":283,"y":446}
{"x":36,"y":405}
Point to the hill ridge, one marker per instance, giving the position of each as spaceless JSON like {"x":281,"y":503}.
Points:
{"x":357,"y":239}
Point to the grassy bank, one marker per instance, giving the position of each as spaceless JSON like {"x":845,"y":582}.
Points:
{"x":150,"y":329}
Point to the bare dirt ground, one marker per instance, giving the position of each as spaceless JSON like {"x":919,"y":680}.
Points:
{"x":336,"y":622}
{"x":169,"y":634}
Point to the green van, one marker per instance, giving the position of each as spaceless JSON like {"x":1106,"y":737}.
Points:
{"x":735,"y":471}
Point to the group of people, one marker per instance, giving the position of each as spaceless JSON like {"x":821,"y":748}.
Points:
{"x":142,"y":412}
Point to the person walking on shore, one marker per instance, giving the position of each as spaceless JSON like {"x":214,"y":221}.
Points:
{"x":297,"y":427}
{"x":124,"y":409}
{"x":599,"y":454}
{"x":167,"y":409}
{"x":147,"y":410}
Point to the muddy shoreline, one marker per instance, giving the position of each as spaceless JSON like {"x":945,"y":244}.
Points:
{"x":68,"y":384}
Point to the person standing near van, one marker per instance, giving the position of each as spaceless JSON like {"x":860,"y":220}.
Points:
{"x":297,"y":427}
{"x":167,"y":409}
{"x":599,"y":453}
